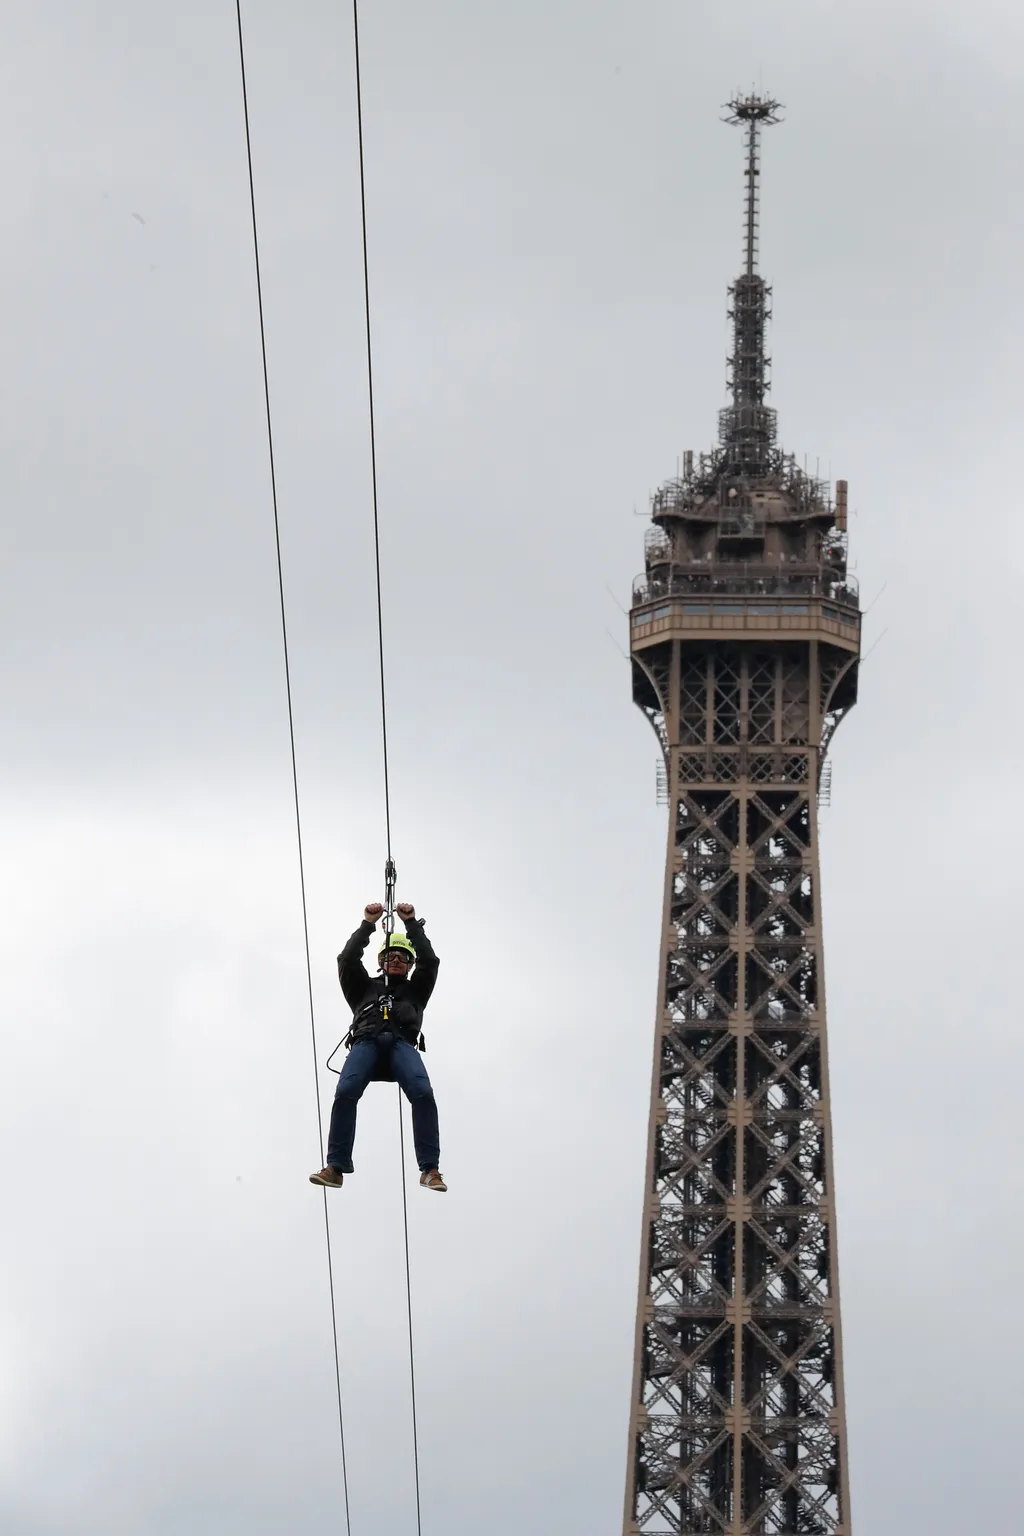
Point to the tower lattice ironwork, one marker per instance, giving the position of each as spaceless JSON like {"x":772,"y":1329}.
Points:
{"x":745,"y":641}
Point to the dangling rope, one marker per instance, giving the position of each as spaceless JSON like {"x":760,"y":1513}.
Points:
{"x":389,"y":870}
{"x":291,"y":738}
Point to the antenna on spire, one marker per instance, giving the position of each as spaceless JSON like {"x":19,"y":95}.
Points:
{"x":754,"y":111}
{"x":747,"y":428}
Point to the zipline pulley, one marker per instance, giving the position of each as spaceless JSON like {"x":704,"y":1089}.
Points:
{"x":390,"y":877}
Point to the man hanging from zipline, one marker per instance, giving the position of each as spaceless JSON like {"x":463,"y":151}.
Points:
{"x":385,"y":1040}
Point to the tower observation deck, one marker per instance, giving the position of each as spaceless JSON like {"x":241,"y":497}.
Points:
{"x":745,"y":642}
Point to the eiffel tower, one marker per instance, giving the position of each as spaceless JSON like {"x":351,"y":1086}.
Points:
{"x":745,"y":643}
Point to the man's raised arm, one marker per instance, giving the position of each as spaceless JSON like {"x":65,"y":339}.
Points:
{"x":421,"y":983}
{"x":352,"y":973}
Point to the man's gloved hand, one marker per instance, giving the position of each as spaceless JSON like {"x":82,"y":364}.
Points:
{"x":373,"y":911}
{"x":406,"y":911}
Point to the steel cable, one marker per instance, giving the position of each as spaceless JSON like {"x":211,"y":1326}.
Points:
{"x":291,"y":738}
{"x":373,"y":426}
{"x":389,"y":868}
{"x":408,"y":1309}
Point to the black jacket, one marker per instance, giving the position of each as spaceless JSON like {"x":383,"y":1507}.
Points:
{"x":362,"y":991}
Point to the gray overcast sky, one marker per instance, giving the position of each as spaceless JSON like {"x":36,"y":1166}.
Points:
{"x":554,"y":217}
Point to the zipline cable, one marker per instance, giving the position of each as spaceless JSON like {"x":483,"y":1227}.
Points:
{"x":373,"y":428}
{"x":408,"y":1310}
{"x":389,"y":867}
{"x":291,"y":738}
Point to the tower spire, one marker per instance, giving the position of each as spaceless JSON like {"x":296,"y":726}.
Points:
{"x":747,"y":428}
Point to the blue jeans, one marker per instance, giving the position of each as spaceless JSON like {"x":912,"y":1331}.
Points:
{"x":390,"y":1060}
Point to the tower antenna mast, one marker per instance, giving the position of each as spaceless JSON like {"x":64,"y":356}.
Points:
{"x":753,"y":111}
{"x":747,"y":429}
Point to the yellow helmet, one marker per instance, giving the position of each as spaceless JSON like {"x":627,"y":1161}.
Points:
{"x":399,"y":942}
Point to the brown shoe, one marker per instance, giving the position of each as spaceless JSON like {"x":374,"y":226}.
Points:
{"x":431,"y":1179}
{"x":330,"y":1178}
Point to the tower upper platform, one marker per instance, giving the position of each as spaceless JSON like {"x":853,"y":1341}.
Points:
{"x":745,"y":542}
